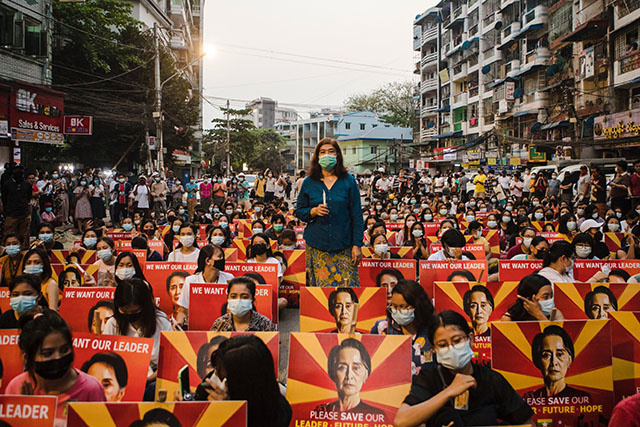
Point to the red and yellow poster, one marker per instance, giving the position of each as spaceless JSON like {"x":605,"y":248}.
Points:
{"x":230,"y":254}
{"x":194,"y":348}
{"x":5,"y":296}
{"x":625,"y":335}
{"x":514,"y":270}
{"x":241,"y":246}
{"x":562,"y":369}
{"x":476,"y":250}
{"x":126,"y":235}
{"x":91,"y":269}
{"x":481,"y":303}
{"x":10,"y":356}
{"x":451,"y":271}
{"x":225,"y":413}
{"x":87,"y":309}
{"x":28,"y":411}
{"x":167,"y":279}
{"x":59,"y":256}
{"x":405,"y":252}
{"x":370,"y":269}
{"x":269,"y":271}
{"x":340,"y":309}
{"x":119,"y":363}
{"x":295,"y":276}
{"x":207,"y":303}
{"x":595,"y":300}
{"x":379,"y":380}
{"x":539,"y":225}
{"x":614,"y":241}
{"x":585,"y":269}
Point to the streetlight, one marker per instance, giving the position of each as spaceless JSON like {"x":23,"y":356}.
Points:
{"x":159,"y":85}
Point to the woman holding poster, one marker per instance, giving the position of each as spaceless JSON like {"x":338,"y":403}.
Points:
{"x":329,"y":202}
{"x":46,"y":345}
{"x":242,"y":315}
{"x":410,"y":313}
{"x":455,"y":391}
{"x":558,"y":262}
{"x":535,"y":301}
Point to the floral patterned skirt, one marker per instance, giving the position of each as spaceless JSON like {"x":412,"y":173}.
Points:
{"x":331,"y":269}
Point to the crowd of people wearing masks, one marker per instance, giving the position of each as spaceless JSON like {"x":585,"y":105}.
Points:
{"x":341,"y":214}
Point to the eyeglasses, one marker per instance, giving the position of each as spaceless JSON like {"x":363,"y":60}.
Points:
{"x":457,"y":342}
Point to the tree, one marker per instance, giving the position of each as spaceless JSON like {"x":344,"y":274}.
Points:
{"x":242,"y":140}
{"x":393,"y":101}
{"x":267,"y":152}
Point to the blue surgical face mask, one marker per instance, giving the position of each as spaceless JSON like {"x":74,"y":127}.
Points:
{"x":403,"y":317}
{"x":239,"y":307}
{"x":224,"y":224}
{"x":33,"y":269}
{"x":455,"y":357}
{"x":127,"y":227}
{"x":328,"y":161}
{"x":546,"y":305}
{"x":46,"y":237}
{"x":90,"y":242}
{"x":12,"y":250}
{"x":393,"y":217}
{"x":428,"y":217}
{"x":23,"y":303}
{"x":217,"y":240}
{"x":105,"y":254}
{"x":175,"y":229}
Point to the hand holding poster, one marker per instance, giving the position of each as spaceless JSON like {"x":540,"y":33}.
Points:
{"x":10,"y":356}
{"x":226,"y":413}
{"x":451,"y":271}
{"x":194,"y":349}
{"x":595,"y":300}
{"x":119,"y":363}
{"x":370,"y":270}
{"x":208,"y":301}
{"x":317,"y":384}
{"x":28,"y":411}
{"x":561,"y":369}
{"x":482,"y":303}
{"x":342,"y":310}
{"x":87,"y":309}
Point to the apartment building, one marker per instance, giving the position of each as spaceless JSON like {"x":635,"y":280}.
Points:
{"x":266,"y":113}
{"x":528,"y":72}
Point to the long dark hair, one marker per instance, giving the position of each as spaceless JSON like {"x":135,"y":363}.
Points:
{"x":315,"y":171}
{"x":266,"y":239}
{"x":250,"y":376}
{"x":528,"y":287}
{"x":447,"y":318}
{"x":134,"y":261}
{"x":206,"y":252}
{"x":556,"y":251}
{"x":135,"y":291}
{"x":416,"y":297}
{"x":35,"y":328}
{"x":46,"y":262}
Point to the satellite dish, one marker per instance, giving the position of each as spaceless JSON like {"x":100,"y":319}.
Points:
{"x":466,"y":45}
{"x":498,"y":25}
{"x":486,"y":69}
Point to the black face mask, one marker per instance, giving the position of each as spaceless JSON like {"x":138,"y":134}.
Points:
{"x":133,"y":317}
{"x":219,"y":264}
{"x":540,"y":254}
{"x":259,"y":249}
{"x":54,"y":369}
{"x":150,"y":233}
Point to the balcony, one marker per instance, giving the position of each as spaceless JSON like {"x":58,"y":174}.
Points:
{"x":627,"y":69}
{"x":427,"y":134}
{"x":429,"y":85}
{"x":178,"y":41}
{"x":458,"y":15}
{"x":459,"y":71}
{"x":512,"y":68}
{"x":473,"y":92}
{"x":505,"y":3}
{"x":460,"y":100}
{"x":178,"y":12}
{"x":626,"y":13}
{"x":195,"y":8}
{"x":510,"y":33}
{"x":428,"y":58}
{"x":429,"y":34}
{"x":534,"y":20}
{"x":428,"y":110}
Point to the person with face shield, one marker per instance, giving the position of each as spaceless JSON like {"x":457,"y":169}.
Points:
{"x":456,"y":392}
{"x":453,"y":243}
{"x":534,"y":301}
{"x":46,"y":346}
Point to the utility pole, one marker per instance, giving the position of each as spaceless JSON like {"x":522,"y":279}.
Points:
{"x":228,"y":141}
{"x":158,"y":113}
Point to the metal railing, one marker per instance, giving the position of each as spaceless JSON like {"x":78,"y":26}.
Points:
{"x":630,"y":62}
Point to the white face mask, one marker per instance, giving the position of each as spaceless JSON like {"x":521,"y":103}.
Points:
{"x":613,"y":227}
{"x":381,"y":249}
{"x":571,"y":225}
{"x":455,"y":357}
{"x":187,"y":241}
{"x":583,"y":251}
{"x":125,"y":273}
{"x":546,"y":305}
{"x":527,"y":241}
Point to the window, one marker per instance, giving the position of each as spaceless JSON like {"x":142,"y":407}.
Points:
{"x":347,"y":125}
{"x":35,"y":39}
{"x":362,"y":126}
{"x":374,"y":149}
{"x":6,"y":27}
{"x":353,"y":150}
{"x":374,"y":126}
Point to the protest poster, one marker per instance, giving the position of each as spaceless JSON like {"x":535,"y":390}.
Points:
{"x":595,"y":300}
{"x":295,"y":276}
{"x":493,"y":237}
{"x":5,"y":297}
{"x":625,"y":336}
{"x":539,"y":225}
{"x":431,"y":229}
{"x":87,"y":309}
{"x":241,"y":246}
{"x":394,"y":225}
{"x":451,"y":271}
{"x":90,"y":269}
{"x":481,"y":303}
{"x":167,"y":279}
{"x":404,"y":252}
{"x":121,"y":235}
{"x":141,"y":254}
{"x":230,"y":254}
{"x":269,"y":271}
{"x":10,"y":356}
{"x":315,"y":382}
{"x":431,"y":240}
{"x":299,"y":230}
{"x":584,"y":270}
{"x":370,"y":269}
{"x":194,"y":348}
{"x":561,"y":369}
{"x":119,"y":363}
{"x":511,"y":270}
{"x":207,"y":302}
{"x":28,"y":411}
{"x":59,"y":256}
{"x":153,"y":244}
{"x":614,"y":241}
{"x":224,"y":413}
{"x":341,"y":310}
{"x":476,"y":250}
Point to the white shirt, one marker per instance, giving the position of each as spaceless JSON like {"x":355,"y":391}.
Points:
{"x":183,"y":300}
{"x":383,"y":184}
{"x":271,"y":260}
{"x":505,"y":181}
{"x":162,"y":324}
{"x":554,"y":276}
{"x":440,"y":256}
{"x":142,"y":197}
{"x":178,"y":256}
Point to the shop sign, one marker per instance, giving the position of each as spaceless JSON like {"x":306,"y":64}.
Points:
{"x":618,"y":125}
{"x":36,"y":114}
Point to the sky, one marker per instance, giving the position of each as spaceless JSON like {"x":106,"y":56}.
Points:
{"x":263,"y":48}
